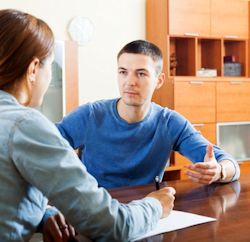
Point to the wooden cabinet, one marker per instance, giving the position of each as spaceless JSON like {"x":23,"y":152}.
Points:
{"x":195,"y":35}
{"x":183,"y":17}
{"x":233,"y":101}
{"x":229,"y":18}
{"x":173,"y":25}
{"x":206,"y":18}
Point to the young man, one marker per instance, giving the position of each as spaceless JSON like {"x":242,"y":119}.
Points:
{"x":127,"y":141}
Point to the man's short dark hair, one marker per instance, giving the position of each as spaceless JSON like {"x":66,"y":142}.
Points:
{"x":145,"y":48}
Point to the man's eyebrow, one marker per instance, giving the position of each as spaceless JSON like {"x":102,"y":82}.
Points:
{"x":137,"y":70}
{"x":122,"y":68}
{"x":142,"y":69}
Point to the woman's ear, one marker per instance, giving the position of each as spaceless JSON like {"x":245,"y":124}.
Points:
{"x":33,"y":70}
{"x":160,"y":80}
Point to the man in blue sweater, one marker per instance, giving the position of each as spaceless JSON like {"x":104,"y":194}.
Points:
{"x":128,"y":140}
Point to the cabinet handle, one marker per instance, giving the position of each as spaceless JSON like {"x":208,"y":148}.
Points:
{"x":191,"y":34}
{"x":196,"y":82}
{"x":198,"y":125}
{"x":236,"y":82}
{"x":231,"y":37}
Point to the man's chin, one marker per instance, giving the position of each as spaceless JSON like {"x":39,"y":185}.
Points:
{"x":132,"y":103}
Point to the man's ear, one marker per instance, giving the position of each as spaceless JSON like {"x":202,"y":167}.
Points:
{"x":160,"y":80}
{"x":32,"y":70}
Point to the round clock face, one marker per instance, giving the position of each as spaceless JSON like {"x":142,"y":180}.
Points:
{"x":81,"y":30}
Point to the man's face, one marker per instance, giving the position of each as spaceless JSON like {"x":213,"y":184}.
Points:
{"x":137,"y":78}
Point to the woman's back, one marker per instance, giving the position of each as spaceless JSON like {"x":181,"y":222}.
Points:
{"x":19,"y":216}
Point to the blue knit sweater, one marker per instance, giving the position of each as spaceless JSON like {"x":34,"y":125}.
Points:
{"x":118,"y":153}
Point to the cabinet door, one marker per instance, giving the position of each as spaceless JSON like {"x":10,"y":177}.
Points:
{"x":190,"y":17}
{"x":229,"y":18}
{"x":195,"y":100}
{"x":245,"y":167}
{"x":233,"y":101}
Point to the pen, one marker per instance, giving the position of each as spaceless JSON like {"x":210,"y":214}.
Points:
{"x":157,"y":183}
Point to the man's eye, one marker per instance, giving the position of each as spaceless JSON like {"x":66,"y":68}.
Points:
{"x":141,"y":74}
{"x":122,"y":72}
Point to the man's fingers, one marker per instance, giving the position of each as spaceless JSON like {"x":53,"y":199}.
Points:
{"x":202,"y":166}
{"x":200,"y":178}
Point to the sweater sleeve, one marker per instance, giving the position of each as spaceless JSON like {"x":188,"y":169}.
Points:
{"x":45,"y":160}
{"x":74,"y":126}
{"x":190,"y":143}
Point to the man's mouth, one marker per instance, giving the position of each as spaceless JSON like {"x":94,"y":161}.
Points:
{"x":131,"y":92}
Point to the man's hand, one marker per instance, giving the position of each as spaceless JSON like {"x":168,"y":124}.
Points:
{"x":205,"y":172}
{"x":57,"y":229}
{"x":166,"y":198}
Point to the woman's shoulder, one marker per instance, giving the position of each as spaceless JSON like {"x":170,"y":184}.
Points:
{"x":32,"y":120}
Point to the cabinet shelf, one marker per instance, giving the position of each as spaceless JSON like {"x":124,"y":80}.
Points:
{"x":238,"y":49}
{"x":187,"y":55}
{"x":209,"y":54}
{"x":183,"y":50}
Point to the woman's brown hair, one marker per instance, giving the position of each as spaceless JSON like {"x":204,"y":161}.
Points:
{"x":23,"y":37}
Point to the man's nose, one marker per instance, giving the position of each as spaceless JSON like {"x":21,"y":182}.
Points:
{"x":131,"y":80}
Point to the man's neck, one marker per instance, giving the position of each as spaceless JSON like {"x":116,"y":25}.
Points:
{"x":130,"y":113}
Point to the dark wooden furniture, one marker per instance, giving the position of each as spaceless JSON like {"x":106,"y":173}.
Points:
{"x":228,"y":203}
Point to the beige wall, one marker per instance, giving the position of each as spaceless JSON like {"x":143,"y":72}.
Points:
{"x":116,"y":23}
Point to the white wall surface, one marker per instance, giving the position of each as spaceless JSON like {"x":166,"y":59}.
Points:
{"x":116,"y":22}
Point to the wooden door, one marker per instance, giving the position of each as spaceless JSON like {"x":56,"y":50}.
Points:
{"x":189,"y":17}
{"x":229,"y":18}
{"x":195,"y":100}
{"x":233,"y":101}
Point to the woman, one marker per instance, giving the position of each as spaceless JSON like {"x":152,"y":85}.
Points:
{"x":36,"y":163}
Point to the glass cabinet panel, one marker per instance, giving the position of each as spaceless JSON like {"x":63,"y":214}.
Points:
{"x":235,"y":139}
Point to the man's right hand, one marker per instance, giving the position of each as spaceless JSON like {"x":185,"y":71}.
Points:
{"x":166,"y":198}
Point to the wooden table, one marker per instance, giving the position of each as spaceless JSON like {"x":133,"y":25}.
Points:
{"x":228,"y":203}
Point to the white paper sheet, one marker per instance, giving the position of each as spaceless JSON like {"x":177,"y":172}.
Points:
{"x":177,"y":220}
